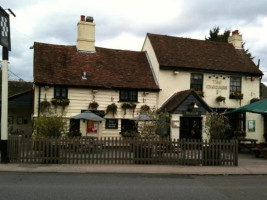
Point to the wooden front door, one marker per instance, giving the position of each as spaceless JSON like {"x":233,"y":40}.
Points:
{"x":191,"y":127}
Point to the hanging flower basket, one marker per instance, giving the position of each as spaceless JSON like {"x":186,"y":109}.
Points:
{"x":254,"y":100}
{"x":112,"y":108}
{"x":200,"y":93}
{"x":220,"y":99}
{"x":144,"y":108}
{"x":45,"y":105}
{"x":93,"y":105}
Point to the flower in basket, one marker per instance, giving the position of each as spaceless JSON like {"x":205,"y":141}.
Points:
{"x":144,"y":108}
{"x":112,"y":108}
{"x":220,"y":99}
{"x":45,"y":105}
{"x":200,"y":93}
{"x":254,"y":100}
{"x":236,"y":95}
{"x":60,"y":102}
{"x":93,"y":105}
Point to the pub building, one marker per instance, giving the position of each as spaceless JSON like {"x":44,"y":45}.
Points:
{"x":196,"y":76}
{"x":186,"y":77}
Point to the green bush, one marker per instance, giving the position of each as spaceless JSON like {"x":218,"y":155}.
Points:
{"x":216,"y":125}
{"x":130,"y":134}
{"x":49,"y":126}
{"x":75,"y":133}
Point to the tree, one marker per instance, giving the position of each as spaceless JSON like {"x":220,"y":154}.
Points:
{"x":216,"y":125}
{"x":217,"y":37}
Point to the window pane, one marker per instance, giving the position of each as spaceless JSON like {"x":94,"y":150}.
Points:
{"x":196,"y":82}
{"x":57,"y":92}
{"x":235,"y":84}
{"x":64,"y":93}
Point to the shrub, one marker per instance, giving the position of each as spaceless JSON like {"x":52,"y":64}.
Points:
{"x":216,"y":125}
{"x":49,"y":126}
{"x":75,"y":133}
{"x":130,"y":134}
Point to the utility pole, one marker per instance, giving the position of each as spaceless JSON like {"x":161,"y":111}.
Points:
{"x":5,"y":43}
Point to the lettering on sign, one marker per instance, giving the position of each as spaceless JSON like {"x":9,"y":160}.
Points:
{"x":220,"y":87}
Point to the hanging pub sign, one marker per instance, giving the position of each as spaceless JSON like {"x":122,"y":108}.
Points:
{"x":92,"y":127}
{"x":5,"y":29}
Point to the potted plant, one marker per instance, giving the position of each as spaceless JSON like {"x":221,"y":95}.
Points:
{"x":220,"y":99}
{"x":93,"y":105}
{"x":236,"y":95}
{"x":112,"y":108}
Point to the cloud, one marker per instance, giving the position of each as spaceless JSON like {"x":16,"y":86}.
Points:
{"x":124,"y":24}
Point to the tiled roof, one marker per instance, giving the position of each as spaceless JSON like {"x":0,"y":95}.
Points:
{"x":178,"y":98}
{"x":201,"y":55}
{"x":17,"y":87}
{"x":107,"y":68}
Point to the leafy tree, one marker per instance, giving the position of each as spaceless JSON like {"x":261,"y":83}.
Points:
{"x":217,"y":37}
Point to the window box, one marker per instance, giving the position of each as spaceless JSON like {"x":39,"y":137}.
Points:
{"x":126,"y":106}
{"x":236,"y":95}
{"x":60,"y":102}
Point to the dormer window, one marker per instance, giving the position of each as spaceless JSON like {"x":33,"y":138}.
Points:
{"x":128,"y":95}
{"x":60,"y":92}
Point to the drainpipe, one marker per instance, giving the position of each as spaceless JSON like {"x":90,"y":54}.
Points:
{"x":39,"y":101}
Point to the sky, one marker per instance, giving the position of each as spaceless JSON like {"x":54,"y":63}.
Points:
{"x":122,"y":24}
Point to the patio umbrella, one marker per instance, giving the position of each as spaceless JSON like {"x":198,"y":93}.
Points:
{"x":88,"y":115}
{"x":143,"y":117}
{"x":256,"y":107}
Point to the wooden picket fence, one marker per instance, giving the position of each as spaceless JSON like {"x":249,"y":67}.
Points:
{"x":88,"y":150}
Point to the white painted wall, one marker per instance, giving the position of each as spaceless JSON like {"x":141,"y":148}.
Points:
{"x":81,"y":97}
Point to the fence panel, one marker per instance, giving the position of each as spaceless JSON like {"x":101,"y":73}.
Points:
{"x":88,"y":150}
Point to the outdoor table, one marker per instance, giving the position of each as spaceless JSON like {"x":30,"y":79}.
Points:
{"x":246,"y":143}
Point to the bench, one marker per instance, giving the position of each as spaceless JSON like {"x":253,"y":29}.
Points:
{"x":260,"y":151}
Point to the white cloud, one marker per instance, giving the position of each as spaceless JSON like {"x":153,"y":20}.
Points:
{"x":124,"y":24}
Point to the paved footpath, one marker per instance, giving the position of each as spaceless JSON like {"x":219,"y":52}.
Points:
{"x":248,"y":165}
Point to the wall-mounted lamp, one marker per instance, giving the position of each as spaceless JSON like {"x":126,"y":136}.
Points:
{"x":94,"y":91}
{"x":84,"y":77}
{"x":175,"y":72}
{"x":195,"y":106}
{"x":46,"y":87}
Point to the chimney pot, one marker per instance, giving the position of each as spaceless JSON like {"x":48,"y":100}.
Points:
{"x":89,"y":19}
{"x":82,"y":18}
{"x":236,"y":32}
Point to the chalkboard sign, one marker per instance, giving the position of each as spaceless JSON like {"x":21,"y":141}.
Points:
{"x":111,"y":124}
